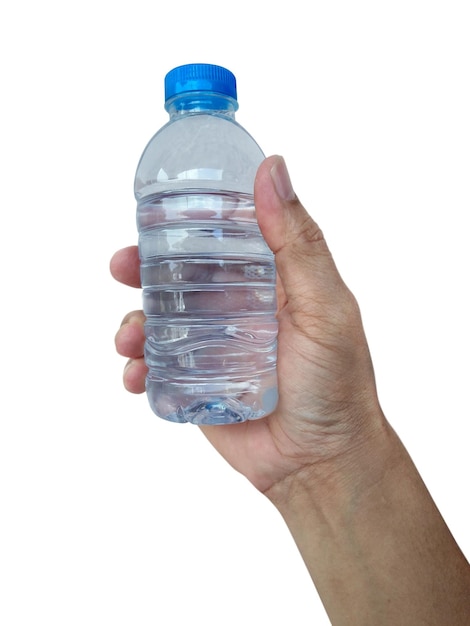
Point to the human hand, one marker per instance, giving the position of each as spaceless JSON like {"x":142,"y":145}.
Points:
{"x":328,"y":405}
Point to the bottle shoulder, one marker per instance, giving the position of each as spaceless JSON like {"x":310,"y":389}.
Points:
{"x":205,"y":150}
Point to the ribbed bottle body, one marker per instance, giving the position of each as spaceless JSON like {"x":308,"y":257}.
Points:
{"x":209,"y":299}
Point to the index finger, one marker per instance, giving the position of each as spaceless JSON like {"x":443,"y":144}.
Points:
{"x":125,"y":266}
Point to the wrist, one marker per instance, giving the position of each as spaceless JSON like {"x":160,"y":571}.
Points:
{"x":349,"y":468}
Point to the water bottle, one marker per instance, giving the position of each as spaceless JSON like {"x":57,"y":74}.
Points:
{"x":207,"y":275}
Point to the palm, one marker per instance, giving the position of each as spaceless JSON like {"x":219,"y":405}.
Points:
{"x":309,"y":423}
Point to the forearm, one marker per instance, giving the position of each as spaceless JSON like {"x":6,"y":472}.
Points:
{"x":374,"y":542}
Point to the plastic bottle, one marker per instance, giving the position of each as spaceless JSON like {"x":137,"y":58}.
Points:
{"x":207,"y":274}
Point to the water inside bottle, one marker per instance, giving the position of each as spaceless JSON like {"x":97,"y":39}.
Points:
{"x":209,"y":301}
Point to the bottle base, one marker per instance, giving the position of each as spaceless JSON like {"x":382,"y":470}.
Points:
{"x":215,"y":411}
{"x":221,"y":404}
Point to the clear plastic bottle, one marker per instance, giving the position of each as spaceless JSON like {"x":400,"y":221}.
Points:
{"x":207,"y":274}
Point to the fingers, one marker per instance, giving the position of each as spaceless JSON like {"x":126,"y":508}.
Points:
{"x":125,"y":266}
{"x":129,"y":341}
{"x":130,"y":337}
{"x":134,"y":375}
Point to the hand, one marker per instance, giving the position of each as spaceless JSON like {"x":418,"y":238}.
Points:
{"x":328,"y":405}
{"x":371,"y":536}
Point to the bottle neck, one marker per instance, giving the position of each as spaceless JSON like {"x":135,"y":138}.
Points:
{"x":201,"y":102}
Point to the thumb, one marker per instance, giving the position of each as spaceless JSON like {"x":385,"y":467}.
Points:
{"x":303,"y":260}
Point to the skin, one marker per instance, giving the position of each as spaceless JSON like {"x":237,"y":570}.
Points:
{"x":370,"y":534}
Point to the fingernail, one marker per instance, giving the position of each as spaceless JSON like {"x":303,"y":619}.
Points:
{"x":281,"y":180}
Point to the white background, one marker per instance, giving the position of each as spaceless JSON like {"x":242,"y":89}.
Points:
{"x":108,"y":514}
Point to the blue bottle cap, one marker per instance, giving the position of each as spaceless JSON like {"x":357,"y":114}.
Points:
{"x":200,"y":77}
